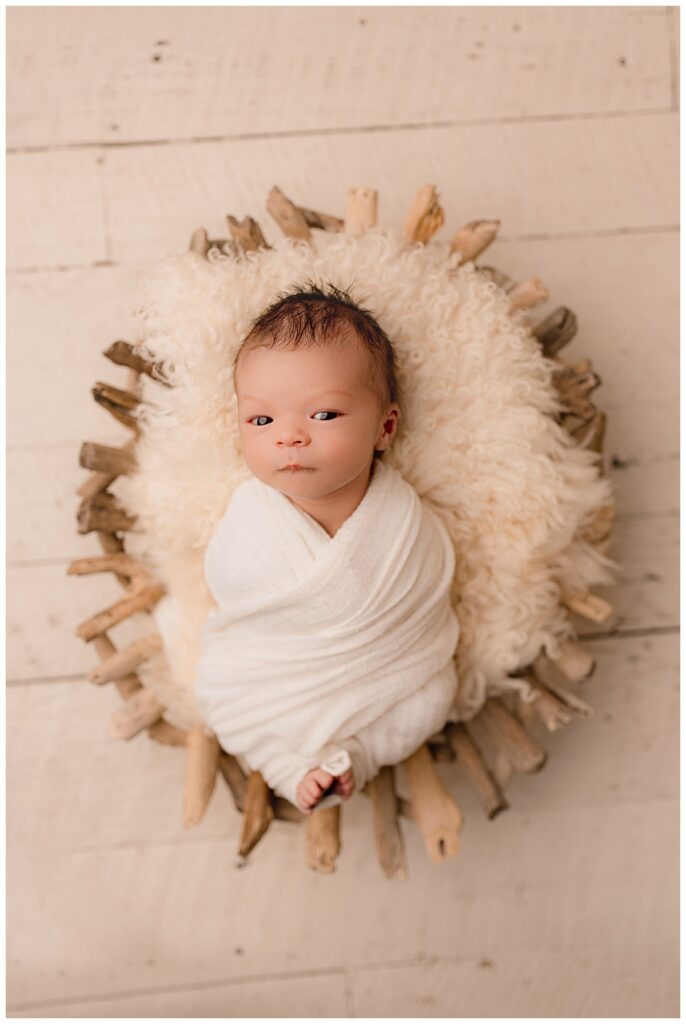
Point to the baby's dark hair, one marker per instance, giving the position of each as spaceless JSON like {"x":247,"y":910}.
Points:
{"x":316,"y":314}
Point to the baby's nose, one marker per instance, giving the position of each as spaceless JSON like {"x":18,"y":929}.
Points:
{"x":292,"y":435}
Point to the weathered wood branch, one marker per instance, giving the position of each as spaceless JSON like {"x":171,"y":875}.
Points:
{"x":119,"y":403}
{"x":103,"y":512}
{"x":126,"y":660}
{"x":247,"y":234}
{"x":588,"y":605}
{"x":135,"y":715}
{"x":288,"y":216}
{"x":258,"y":814}
{"x":202,"y":762}
{"x":600,"y":526}
{"x":471,"y":240}
{"x":322,"y":221}
{"x":141,"y":600}
{"x":361,"y":211}
{"x":105,"y":459}
{"x":322,"y":838}
{"x":127,"y":685}
{"x":167,"y":734}
{"x":123,"y":353}
{"x":425,"y":215}
{"x":523,"y":752}
{"x":235,"y":779}
{"x":565,"y":693}
{"x":387,"y":836}
{"x":556,"y":330}
{"x":476,"y":770}
{"x":575,"y":662}
{"x":118,"y":562}
{"x":529,"y":293}
{"x":435,"y":811}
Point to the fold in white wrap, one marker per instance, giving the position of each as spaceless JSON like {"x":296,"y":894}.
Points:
{"x":320,"y":644}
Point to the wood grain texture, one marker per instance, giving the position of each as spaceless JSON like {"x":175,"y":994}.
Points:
{"x":79,"y":76}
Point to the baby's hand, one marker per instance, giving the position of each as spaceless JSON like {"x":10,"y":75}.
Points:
{"x":311,"y":788}
{"x":313,"y":785}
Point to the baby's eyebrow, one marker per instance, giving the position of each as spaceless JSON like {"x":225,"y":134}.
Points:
{"x":331,"y":391}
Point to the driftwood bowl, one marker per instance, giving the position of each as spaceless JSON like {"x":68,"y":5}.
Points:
{"x":489,"y":748}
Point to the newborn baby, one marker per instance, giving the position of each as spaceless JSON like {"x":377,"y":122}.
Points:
{"x":333,"y":638}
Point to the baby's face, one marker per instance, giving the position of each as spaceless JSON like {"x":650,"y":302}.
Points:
{"x":310,"y":407}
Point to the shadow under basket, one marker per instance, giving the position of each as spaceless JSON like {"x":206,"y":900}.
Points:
{"x":501,"y":739}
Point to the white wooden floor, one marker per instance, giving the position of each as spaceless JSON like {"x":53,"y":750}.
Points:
{"x":128,"y":128}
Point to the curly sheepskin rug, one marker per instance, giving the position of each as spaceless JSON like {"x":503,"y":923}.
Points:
{"x":476,"y":439}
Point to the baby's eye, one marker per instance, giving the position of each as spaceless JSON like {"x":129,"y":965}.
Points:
{"x":326,"y":412}
{"x":259,"y":418}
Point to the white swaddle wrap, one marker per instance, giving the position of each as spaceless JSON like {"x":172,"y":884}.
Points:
{"x":325,"y":643}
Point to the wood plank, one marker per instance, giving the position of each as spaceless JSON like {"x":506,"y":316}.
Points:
{"x":144,"y":183}
{"x":85,"y":923}
{"x":552,"y":983}
{"x":133,"y":74}
{"x":305,"y":996}
{"x":44,"y":608}
{"x":58,"y":326}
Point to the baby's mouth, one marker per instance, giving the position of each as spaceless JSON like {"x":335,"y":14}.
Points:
{"x":295,"y":468}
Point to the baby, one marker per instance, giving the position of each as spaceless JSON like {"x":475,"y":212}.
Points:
{"x":317,"y":404}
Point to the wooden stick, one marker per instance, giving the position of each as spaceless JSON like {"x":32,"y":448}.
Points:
{"x":574,"y":386}
{"x":288,"y":216}
{"x":137,"y":713}
{"x":140,"y":600}
{"x":478,"y":774}
{"x":202,"y":761}
{"x":199,"y":242}
{"x":594,"y":437}
{"x":436,"y":812}
{"x":556,"y":330}
{"x":94,"y":483}
{"x":324,"y":222}
{"x":118,"y":562}
{"x":493,"y":274}
{"x":389,"y":842}
{"x":118,"y":403}
{"x":127,"y":685}
{"x":105,"y":459}
{"x":600,"y":527}
{"x":322,"y":839}
{"x":111,"y":543}
{"x":102,"y":512}
{"x":166,"y":734}
{"x":528,"y":294}
{"x":258,"y":814}
{"x":247,"y":234}
{"x":523,"y":752}
{"x":123,"y":354}
{"x":425,"y":216}
{"x":125,"y":661}
{"x":471,"y":240}
{"x":575,"y":662}
{"x":588,"y":605}
{"x":570,"y":698}
{"x":551,"y":711}
{"x":234,"y":778}
{"x":361,"y":212}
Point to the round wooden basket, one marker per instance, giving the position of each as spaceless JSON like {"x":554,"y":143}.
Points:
{"x":498,"y":741}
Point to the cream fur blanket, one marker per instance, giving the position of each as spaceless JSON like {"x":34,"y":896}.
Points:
{"x":320,"y":643}
{"x":476,"y":439}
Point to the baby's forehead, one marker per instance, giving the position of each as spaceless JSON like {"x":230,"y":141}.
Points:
{"x":344,"y":363}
